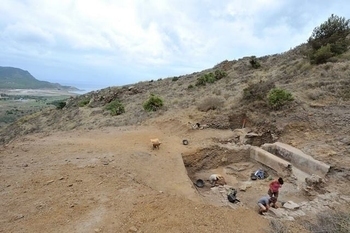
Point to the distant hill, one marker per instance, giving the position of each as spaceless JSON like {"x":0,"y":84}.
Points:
{"x":15,"y":78}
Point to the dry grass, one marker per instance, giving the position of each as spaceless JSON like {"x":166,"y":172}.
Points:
{"x":277,"y":226}
{"x":210,"y":103}
{"x":330,"y":222}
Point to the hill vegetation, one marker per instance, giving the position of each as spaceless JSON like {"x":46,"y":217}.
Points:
{"x":281,"y":89}
{"x":15,"y":78}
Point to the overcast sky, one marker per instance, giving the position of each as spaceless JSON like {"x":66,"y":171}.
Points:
{"x":100,"y":43}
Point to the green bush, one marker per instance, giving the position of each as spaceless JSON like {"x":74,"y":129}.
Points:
{"x":210,"y":77}
{"x":321,"y":55}
{"x":205,"y":78}
{"x":174,"y":79}
{"x":278,"y":98}
{"x":59,"y":104}
{"x":115,"y":107}
{"x":83,"y":102}
{"x":153,"y":103}
{"x":190,"y":86}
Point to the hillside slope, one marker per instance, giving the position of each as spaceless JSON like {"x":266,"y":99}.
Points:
{"x":319,"y":114}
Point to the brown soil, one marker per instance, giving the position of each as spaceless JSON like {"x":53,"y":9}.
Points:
{"x":111,"y":180}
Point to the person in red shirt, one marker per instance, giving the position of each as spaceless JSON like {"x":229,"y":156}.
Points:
{"x":274,"y":190}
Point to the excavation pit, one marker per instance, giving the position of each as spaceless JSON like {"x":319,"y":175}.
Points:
{"x":236,"y":164}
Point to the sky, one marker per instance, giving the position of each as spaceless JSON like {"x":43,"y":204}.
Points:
{"x":93,"y":44}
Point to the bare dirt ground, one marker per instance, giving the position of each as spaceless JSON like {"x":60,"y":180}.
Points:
{"x":111,"y":180}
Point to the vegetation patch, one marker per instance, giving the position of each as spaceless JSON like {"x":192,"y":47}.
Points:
{"x":115,"y":107}
{"x":254,"y":62}
{"x":84,"y":102}
{"x":153,"y":103}
{"x":210,"y":77}
{"x":278,"y":98}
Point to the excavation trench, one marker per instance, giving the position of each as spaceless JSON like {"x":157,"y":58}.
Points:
{"x":237,"y":163}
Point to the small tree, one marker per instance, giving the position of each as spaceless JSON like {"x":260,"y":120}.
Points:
{"x":332,"y":33}
{"x":153,"y":103}
{"x":278,"y":98}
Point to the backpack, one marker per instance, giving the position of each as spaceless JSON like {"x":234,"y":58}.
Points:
{"x":260,"y":174}
{"x":231,"y":195}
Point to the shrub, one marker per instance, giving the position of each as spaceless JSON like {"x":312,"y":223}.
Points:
{"x":254,"y":62}
{"x":278,"y":98}
{"x":210,"y":103}
{"x":115,"y":107}
{"x":205,"y":78}
{"x":220,"y":74}
{"x":210,"y":77}
{"x":201,"y":81}
{"x":153,"y":103}
{"x":61,"y":105}
{"x":257,"y":91}
{"x":175,"y":79}
{"x":190,"y":86}
{"x":83,"y":102}
{"x":321,"y":55}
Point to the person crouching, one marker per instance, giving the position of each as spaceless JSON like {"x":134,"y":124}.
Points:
{"x":264,"y":204}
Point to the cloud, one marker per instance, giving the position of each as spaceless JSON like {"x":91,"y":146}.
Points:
{"x":26,"y":33}
{"x":139,"y":39}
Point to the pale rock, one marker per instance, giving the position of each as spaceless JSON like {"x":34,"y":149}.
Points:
{"x":277,"y":212}
{"x":291,"y":205}
{"x":243,"y":187}
{"x":133,"y":229}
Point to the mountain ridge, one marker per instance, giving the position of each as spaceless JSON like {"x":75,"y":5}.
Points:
{"x":16,"y":78}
